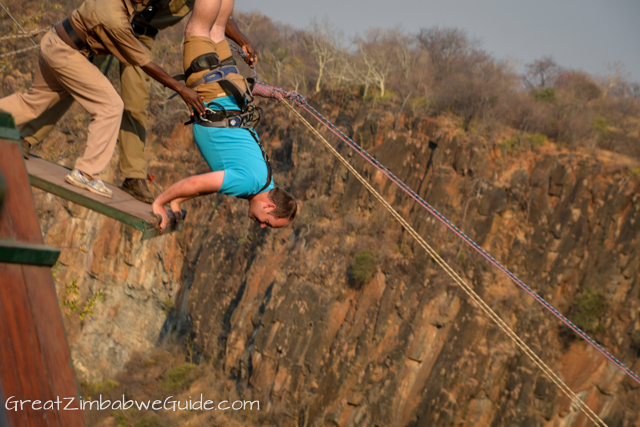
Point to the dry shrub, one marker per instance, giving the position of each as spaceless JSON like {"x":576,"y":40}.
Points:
{"x":522,"y":111}
{"x":467,"y":81}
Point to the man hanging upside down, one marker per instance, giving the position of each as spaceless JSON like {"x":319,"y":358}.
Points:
{"x":224,"y":134}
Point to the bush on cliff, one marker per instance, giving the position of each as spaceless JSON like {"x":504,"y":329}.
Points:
{"x":363,"y":267}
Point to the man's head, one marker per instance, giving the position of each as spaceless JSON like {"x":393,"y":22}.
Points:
{"x":274,"y":208}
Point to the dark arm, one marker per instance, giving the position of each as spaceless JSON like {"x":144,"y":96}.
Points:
{"x":190,"y":96}
{"x":233,"y":32}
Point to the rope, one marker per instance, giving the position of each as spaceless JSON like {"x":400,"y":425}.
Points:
{"x":23,"y":34}
{"x":465,"y":287}
{"x":17,"y":23}
{"x":15,"y":52}
{"x":303,"y":103}
{"x":300,"y":101}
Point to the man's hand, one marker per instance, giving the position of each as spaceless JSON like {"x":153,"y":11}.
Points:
{"x":162,"y":213}
{"x":190,"y":96}
{"x":193,"y":100}
{"x":233,"y":32}
{"x":252,"y":56}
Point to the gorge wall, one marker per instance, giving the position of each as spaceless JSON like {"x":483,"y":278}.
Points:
{"x":279,"y":317}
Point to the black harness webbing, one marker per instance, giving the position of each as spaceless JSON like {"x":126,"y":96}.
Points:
{"x":204,"y":62}
{"x":213,"y":76}
{"x":243,"y":97}
{"x":149,"y":12}
{"x":266,"y":159}
{"x":140,"y":29}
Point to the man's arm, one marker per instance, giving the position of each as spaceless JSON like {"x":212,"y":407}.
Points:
{"x":233,"y":32}
{"x":190,"y":96}
{"x":197,"y":185}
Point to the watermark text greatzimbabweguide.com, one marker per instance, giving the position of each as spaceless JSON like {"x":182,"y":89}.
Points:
{"x":167,"y":404}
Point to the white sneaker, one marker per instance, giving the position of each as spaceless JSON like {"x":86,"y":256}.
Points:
{"x":79,"y":180}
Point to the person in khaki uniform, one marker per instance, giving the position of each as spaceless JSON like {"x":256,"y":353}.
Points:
{"x":147,"y":21}
{"x":101,"y":27}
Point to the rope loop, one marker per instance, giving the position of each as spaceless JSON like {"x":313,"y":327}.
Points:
{"x":24,"y":34}
{"x":16,"y":52}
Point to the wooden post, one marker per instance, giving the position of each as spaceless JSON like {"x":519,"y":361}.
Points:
{"x":35,"y":362}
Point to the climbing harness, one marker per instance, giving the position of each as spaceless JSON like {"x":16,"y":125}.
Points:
{"x":206,"y":62}
{"x":215,"y":76}
{"x":219,"y":72}
{"x":228,"y":119}
{"x":265,"y":156}
{"x":224,"y":118}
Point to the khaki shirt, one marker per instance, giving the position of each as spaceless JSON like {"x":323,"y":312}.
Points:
{"x":107,"y":26}
{"x":169,"y":13}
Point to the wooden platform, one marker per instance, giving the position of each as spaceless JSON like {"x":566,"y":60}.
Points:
{"x":123,"y":207}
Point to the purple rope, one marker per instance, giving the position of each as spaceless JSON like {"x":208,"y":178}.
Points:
{"x":302,"y":103}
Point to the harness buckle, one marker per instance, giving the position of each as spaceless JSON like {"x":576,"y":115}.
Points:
{"x":203,"y":117}
{"x":234,"y":121}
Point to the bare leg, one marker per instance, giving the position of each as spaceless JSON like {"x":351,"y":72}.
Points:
{"x":219,"y":26}
{"x":207,"y":15}
{"x":205,"y":34}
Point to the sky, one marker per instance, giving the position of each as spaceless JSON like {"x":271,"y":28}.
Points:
{"x":587,"y":35}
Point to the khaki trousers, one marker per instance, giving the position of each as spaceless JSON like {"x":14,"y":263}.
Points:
{"x":63,"y":73}
{"x":132,"y":135}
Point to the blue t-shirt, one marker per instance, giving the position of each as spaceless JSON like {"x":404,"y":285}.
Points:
{"x":234,"y":151}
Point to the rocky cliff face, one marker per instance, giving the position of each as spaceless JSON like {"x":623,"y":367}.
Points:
{"x":281,"y":316}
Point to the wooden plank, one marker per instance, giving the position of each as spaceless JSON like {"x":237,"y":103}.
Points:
{"x":28,"y":253}
{"x":122,"y":206}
